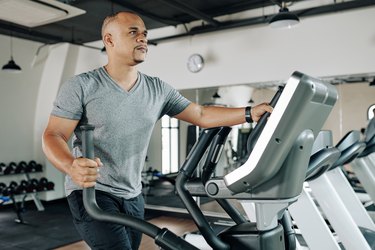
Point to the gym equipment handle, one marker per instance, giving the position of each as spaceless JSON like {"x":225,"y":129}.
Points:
{"x":214,"y":153}
{"x":185,"y":174}
{"x":254,"y":135}
{"x":209,"y":166}
{"x":163,"y":237}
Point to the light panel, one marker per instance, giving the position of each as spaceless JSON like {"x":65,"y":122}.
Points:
{"x":32,"y":13}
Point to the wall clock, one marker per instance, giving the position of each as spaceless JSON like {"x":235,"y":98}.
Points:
{"x":195,"y":63}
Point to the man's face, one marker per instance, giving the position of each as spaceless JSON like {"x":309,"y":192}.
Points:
{"x":129,"y":37}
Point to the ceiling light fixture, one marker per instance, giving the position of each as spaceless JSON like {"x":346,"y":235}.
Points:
{"x":216,"y":95}
{"x":284,"y":19}
{"x":11,"y":66}
{"x":32,"y":13}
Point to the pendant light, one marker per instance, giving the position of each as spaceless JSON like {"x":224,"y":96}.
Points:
{"x":284,"y":19}
{"x":216,"y":96}
{"x":11,"y":66}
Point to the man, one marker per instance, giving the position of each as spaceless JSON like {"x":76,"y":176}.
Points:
{"x":123,"y":105}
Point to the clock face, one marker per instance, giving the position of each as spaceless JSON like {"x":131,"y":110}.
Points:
{"x":195,"y":63}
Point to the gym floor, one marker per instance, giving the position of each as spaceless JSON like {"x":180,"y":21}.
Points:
{"x":53,"y":228}
{"x":179,"y":226}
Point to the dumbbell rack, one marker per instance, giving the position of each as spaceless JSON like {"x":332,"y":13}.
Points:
{"x":20,"y":205}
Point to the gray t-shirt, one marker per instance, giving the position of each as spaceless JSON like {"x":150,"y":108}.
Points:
{"x":123,"y":122}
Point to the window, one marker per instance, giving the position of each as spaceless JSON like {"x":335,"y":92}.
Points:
{"x":170,"y":148}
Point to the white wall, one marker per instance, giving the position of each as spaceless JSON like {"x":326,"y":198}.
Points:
{"x":18,"y":93}
{"x":337,"y":44}
{"x":350,"y":111}
{"x":18,"y":100}
{"x":89,"y":59}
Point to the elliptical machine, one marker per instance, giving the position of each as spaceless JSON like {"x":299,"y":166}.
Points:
{"x":272,"y":176}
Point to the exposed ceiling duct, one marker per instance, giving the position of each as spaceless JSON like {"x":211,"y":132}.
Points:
{"x":318,"y":10}
{"x":193,"y":16}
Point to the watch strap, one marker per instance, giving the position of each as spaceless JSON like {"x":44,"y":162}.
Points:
{"x":248,"y":114}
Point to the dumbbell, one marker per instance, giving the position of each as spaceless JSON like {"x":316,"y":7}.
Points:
{"x":2,"y":167}
{"x":47,"y":185}
{"x":21,"y":188}
{"x":31,"y":166}
{"x":10,"y":190}
{"x":2,"y":187}
{"x":27,"y":186}
{"x":24,"y":187}
{"x":21,"y":167}
{"x":38,"y":167}
{"x":35,"y":186}
{"x":34,"y":167}
{"x":10,"y":168}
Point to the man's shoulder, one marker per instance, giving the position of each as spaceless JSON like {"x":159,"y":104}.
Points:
{"x":82,"y":80}
{"x":149,"y":79}
{"x":155,"y":82}
{"x":92,"y":74}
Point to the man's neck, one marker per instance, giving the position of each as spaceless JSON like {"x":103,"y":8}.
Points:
{"x":124,"y":76}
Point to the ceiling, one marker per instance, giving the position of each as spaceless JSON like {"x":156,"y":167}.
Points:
{"x":160,"y":13}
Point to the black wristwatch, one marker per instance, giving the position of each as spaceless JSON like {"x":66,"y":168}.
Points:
{"x":248,"y":115}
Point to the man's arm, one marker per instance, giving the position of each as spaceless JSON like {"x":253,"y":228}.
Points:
{"x":55,"y":137}
{"x":211,"y":116}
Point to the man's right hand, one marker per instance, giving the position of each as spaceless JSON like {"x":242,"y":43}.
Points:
{"x":84,"y":172}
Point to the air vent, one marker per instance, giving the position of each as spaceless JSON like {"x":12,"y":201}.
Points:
{"x":32,"y":13}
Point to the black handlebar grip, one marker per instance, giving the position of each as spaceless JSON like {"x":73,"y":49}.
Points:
{"x":214,"y":153}
{"x":253,"y":138}
{"x":88,"y":141}
{"x":89,"y":198}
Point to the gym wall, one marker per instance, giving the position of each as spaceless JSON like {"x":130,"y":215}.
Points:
{"x":350,"y":111}
{"x":18,"y":97}
{"x":342,"y":43}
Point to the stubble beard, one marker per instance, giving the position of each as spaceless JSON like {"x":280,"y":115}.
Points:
{"x":139,"y":58}
{"x":138,"y":61}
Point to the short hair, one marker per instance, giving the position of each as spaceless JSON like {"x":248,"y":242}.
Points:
{"x":112,"y":18}
{"x":108,"y":20}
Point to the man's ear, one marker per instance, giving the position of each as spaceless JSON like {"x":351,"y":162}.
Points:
{"x":107,"y":40}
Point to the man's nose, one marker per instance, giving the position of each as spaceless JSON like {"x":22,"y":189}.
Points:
{"x":142,"y":38}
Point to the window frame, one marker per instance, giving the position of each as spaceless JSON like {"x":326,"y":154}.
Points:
{"x":170,"y":138}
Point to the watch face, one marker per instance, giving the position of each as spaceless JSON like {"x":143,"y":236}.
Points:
{"x":195,"y":63}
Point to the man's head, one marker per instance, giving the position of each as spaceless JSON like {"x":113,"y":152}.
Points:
{"x":125,"y":37}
